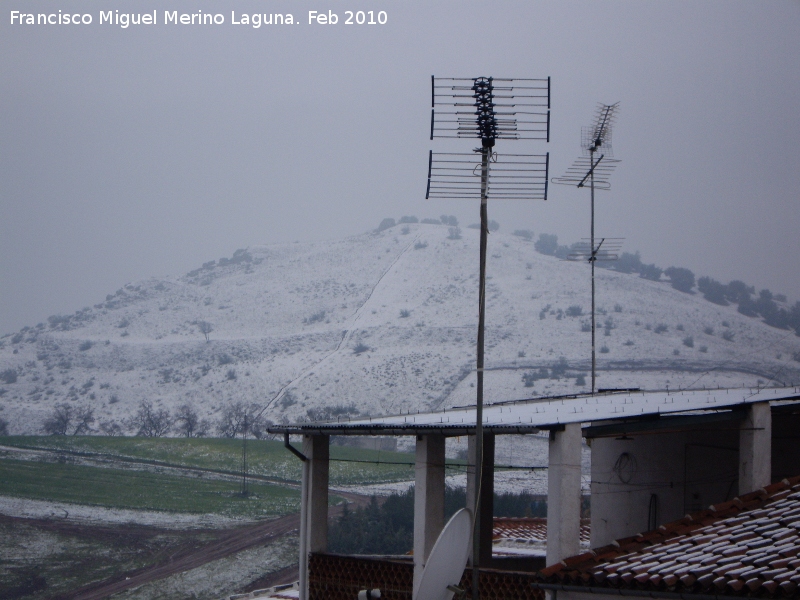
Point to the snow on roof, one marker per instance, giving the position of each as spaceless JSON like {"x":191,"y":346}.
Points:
{"x":532,"y":415}
{"x":526,"y":536}
{"x":749,"y":546}
{"x":528,"y":529}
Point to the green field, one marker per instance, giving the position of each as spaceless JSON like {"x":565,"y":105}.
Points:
{"x":143,"y":490}
{"x":265,"y":458}
{"x":126,"y":472}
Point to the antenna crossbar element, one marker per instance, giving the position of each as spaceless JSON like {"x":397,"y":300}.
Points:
{"x":490,"y":108}
{"x":583,"y":167}
{"x":605,"y":250}
{"x":510,"y":176}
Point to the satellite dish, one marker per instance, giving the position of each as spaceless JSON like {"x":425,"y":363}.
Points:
{"x":447,"y":560}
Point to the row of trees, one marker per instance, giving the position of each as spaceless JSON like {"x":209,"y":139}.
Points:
{"x":151,"y":421}
{"x":388,"y":527}
{"x":764,"y":304}
{"x":389,"y":222}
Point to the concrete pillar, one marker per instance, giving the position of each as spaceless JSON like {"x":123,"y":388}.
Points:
{"x":564,"y":493}
{"x":485,"y":522}
{"x":428,"y":499}
{"x":314,"y":504}
{"x":755,"y":448}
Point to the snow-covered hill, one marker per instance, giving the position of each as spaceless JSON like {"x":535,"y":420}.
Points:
{"x":382,"y":322}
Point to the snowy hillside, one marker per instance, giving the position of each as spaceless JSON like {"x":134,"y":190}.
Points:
{"x":381,"y":322}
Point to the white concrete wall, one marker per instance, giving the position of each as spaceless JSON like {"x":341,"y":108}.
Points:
{"x":564,"y":493}
{"x":428,"y":499}
{"x":685,"y":471}
{"x":755,"y":448}
{"x":314,"y":503}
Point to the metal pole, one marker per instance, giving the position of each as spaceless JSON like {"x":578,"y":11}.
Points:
{"x":476,"y":533}
{"x":592,"y":259}
{"x":244,"y":458}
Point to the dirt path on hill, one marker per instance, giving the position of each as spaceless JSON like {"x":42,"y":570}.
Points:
{"x":190,"y":557}
{"x":348,"y":332}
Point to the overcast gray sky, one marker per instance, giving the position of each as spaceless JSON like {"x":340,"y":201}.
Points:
{"x":146,"y":151}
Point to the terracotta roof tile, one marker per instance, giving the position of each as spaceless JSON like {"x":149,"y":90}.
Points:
{"x":746,"y":547}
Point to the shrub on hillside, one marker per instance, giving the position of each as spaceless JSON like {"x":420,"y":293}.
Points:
{"x":737,"y":291}
{"x":525,"y":234}
{"x":449,"y":220}
{"x":628,"y":263}
{"x":680,"y":278}
{"x":531,"y":377}
{"x":454,"y":233}
{"x":3,"y":427}
{"x":747,"y":307}
{"x":387,"y":223}
{"x":546,"y":244}
{"x":8,"y":376}
{"x":315,"y":318}
{"x":410,"y":219}
{"x":574,"y":311}
{"x":651,"y":272}
{"x":713,"y":290}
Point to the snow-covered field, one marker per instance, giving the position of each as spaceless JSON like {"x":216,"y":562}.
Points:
{"x":220,"y":577}
{"x":97,"y":515}
{"x":380,"y":322}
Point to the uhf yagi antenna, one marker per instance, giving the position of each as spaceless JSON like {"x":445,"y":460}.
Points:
{"x":595,"y":167}
{"x":488,"y":109}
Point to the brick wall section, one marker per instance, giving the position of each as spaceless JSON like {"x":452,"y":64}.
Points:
{"x":333,"y":577}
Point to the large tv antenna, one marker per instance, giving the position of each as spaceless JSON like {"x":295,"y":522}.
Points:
{"x":595,"y":140}
{"x":489,"y":109}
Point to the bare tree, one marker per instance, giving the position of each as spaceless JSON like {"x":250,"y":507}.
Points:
{"x":238,"y":418}
{"x":151,"y":422}
{"x":84,"y":417}
{"x":205,"y":328}
{"x":188,"y":422}
{"x":59,"y":420}
{"x":111,"y":428}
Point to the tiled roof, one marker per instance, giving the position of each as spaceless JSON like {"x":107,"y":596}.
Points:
{"x":749,"y":546}
{"x":515,"y":536}
{"x":529,"y":529}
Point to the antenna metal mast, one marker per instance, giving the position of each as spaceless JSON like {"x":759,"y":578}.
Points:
{"x":595,"y":138}
{"x":489,"y":109}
